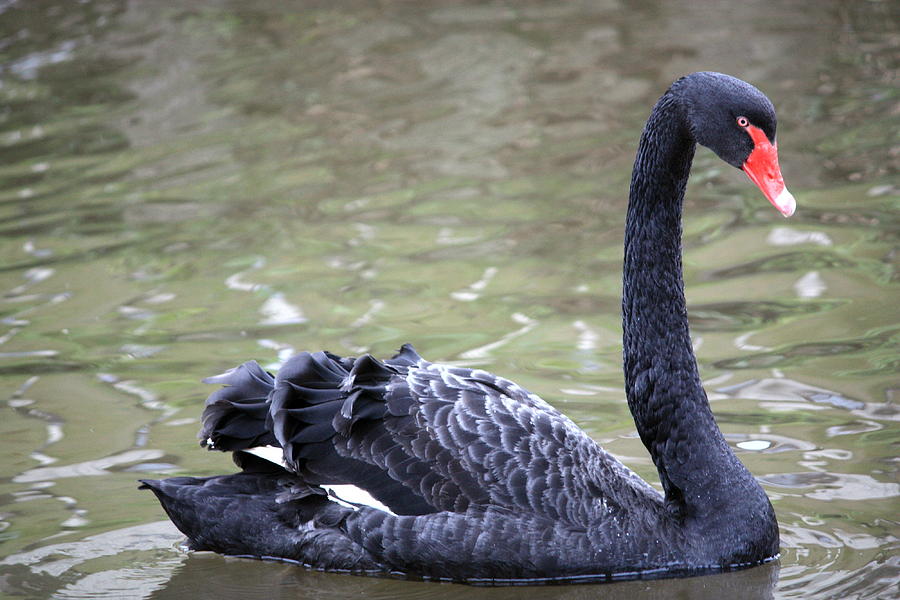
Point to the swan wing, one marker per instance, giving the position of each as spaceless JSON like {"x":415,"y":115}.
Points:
{"x":424,"y":437}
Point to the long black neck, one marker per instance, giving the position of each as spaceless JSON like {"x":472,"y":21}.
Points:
{"x":662,"y":382}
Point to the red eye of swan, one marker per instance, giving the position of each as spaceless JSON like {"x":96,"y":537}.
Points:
{"x":742,"y":121}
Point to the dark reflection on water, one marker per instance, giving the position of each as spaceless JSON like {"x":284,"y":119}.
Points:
{"x":784,"y":262}
{"x":199,"y":577}
{"x":186,"y":186}
{"x":798,"y":352}
{"x":740,"y":316}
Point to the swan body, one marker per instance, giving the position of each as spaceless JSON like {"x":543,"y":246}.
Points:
{"x":448,"y":473}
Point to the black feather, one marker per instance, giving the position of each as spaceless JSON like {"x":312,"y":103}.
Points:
{"x":485,"y":481}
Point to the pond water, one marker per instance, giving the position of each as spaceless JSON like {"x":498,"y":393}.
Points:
{"x":185,"y":186}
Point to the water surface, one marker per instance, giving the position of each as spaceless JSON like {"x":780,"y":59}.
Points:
{"x":187,"y":186}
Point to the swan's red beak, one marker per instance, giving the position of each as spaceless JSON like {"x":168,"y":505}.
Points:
{"x":762,"y":168}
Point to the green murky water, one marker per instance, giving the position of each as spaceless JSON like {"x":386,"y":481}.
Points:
{"x":184,"y":186}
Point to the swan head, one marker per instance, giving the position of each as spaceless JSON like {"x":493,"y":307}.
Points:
{"x":737,"y":122}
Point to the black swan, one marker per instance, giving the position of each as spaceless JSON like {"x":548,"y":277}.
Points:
{"x":436,"y":472}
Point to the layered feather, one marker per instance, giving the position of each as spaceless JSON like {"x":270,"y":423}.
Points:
{"x":468,"y":462}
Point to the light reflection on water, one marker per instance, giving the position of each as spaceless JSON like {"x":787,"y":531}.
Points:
{"x":182,"y":189}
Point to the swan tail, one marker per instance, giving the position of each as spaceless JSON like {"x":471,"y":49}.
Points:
{"x":318,"y":395}
{"x":262,"y":515}
{"x":314,"y":398}
{"x":235,"y":416}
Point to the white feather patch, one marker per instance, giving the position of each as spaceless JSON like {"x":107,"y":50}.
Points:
{"x":353,"y":497}
{"x":346,"y":495}
{"x":273,"y":454}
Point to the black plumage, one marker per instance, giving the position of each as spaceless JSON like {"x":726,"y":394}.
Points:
{"x":482,"y":481}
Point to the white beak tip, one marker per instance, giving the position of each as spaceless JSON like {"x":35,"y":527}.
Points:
{"x":785,"y":203}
